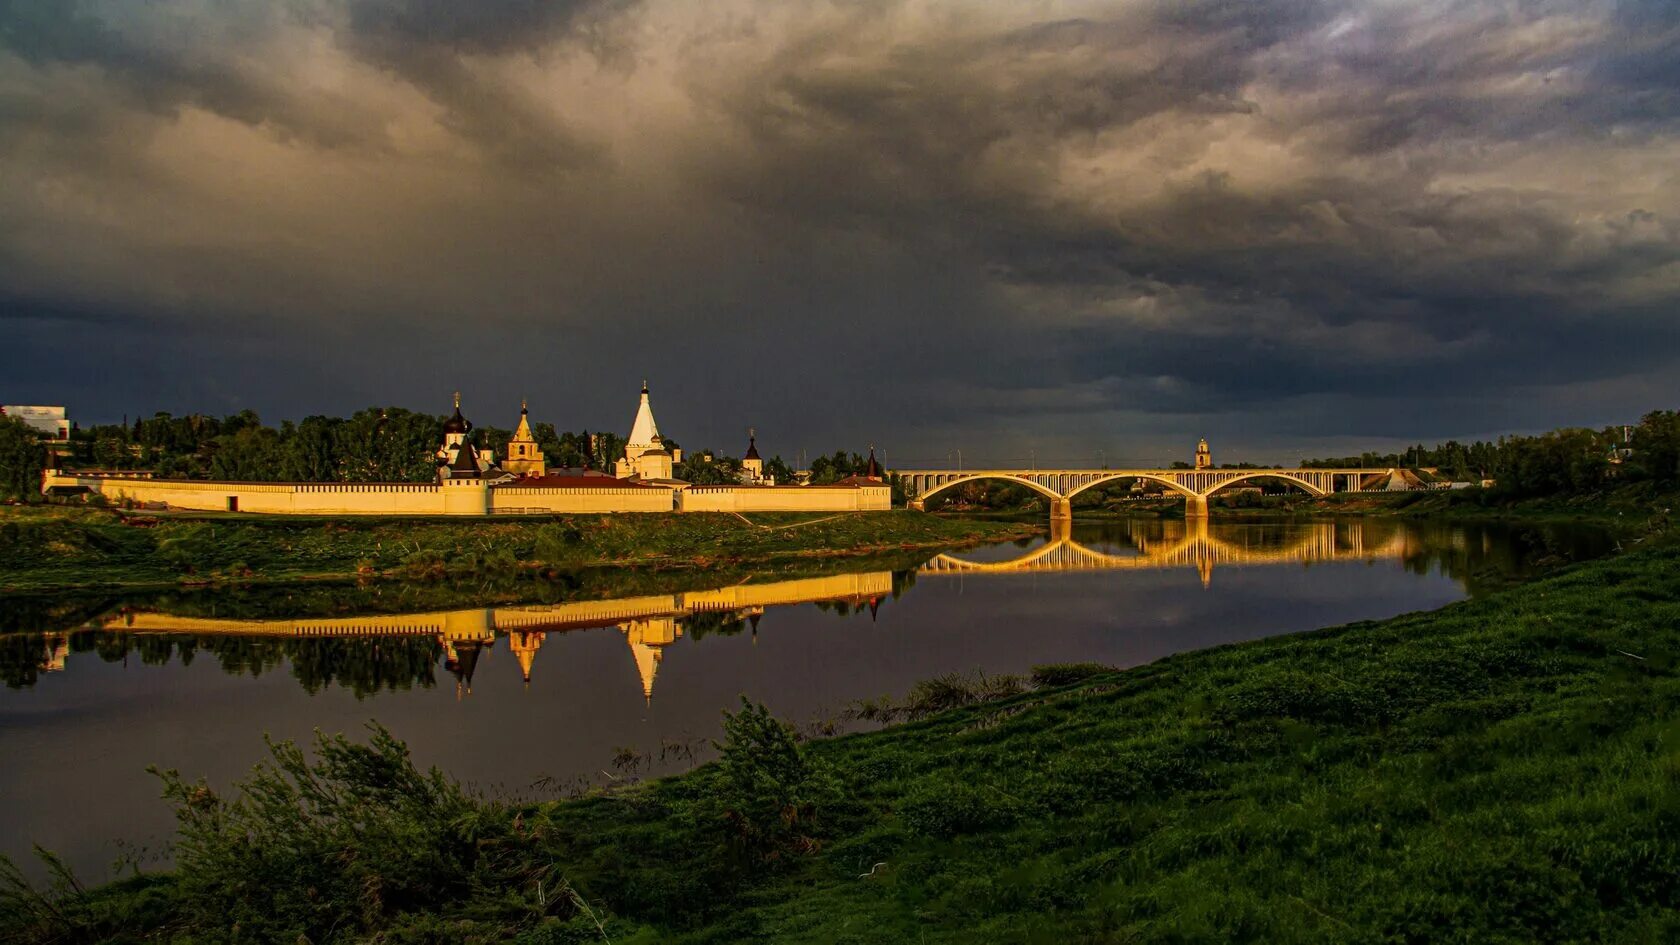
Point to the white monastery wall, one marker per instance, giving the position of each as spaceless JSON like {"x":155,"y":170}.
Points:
{"x":278,"y":498}
{"x":466,"y":497}
{"x":785,"y":498}
{"x":547,"y":500}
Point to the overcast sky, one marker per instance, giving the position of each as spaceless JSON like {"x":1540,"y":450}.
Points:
{"x":1017,"y":228}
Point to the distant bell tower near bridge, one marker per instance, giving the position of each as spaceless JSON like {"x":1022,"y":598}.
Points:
{"x":1204,"y":457}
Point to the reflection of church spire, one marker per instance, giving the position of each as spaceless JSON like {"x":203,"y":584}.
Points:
{"x":524,"y":647}
{"x":461,"y":658}
{"x":874,"y":608}
{"x":647,"y":659}
{"x":648,"y":639}
{"x":754,"y":621}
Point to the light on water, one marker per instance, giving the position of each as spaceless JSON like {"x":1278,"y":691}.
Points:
{"x":504,"y":696}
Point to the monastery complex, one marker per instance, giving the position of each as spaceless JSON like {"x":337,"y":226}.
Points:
{"x":471,"y":481}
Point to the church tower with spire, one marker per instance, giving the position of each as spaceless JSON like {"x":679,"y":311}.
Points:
{"x":752,"y":465}
{"x":525,"y":457}
{"x":645,"y":456}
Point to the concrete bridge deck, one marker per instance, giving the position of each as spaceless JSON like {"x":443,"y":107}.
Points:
{"x":1196,"y":485}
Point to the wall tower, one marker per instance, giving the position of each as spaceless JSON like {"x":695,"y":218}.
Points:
{"x":752,"y":465}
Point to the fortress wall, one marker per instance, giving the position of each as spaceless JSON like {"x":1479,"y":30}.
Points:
{"x":468,"y":498}
{"x":543,"y":500}
{"x":366,"y":499}
{"x":785,"y":498}
{"x":276,"y":498}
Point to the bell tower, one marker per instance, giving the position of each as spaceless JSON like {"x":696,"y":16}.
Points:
{"x":524,"y":456}
{"x":1204,"y":458}
{"x":752,"y":465}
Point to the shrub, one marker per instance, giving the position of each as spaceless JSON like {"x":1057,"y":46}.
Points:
{"x":956,"y":689}
{"x":343,"y":847}
{"x":772,"y":790}
{"x":425,"y":564}
{"x":1065,"y":674}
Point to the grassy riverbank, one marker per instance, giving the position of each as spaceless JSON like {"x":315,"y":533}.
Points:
{"x":1501,"y":770}
{"x":45,"y":549}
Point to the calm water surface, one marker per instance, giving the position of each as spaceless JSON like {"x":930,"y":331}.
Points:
{"x":506,"y":696}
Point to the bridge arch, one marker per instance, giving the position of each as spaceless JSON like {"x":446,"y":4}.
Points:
{"x":1302,"y":484}
{"x":1040,"y":489}
{"x":1118,"y":477}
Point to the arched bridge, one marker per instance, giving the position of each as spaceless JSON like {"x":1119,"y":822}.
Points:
{"x":1190,"y":544}
{"x":1196,"y":485}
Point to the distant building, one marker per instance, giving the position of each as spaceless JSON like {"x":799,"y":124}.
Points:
{"x":1204,"y":456}
{"x":49,"y":421}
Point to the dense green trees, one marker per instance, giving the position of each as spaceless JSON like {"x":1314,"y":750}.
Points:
{"x":387,"y":444}
{"x":22,"y":457}
{"x":1569,"y":460}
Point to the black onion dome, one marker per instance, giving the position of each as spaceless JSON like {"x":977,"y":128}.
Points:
{"x":752,"y":448}
{"x":457,"y":423}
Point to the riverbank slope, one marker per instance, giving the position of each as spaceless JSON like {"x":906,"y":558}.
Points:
{"x":1502,"y":769}
{"x":47,"y":549}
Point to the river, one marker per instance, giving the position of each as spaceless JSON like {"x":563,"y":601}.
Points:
{"x":538,"y":699}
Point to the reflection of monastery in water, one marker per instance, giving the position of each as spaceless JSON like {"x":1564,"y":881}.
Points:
{"x":1195,"y":543}
{"x":649,"y":623}
{"x":652,"y":622}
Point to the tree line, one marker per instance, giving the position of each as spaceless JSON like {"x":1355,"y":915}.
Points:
{"x":1568,"y":460}
{"x":389,"y":444}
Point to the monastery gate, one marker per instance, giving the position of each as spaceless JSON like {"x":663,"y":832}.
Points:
{"x":1196,"y":485}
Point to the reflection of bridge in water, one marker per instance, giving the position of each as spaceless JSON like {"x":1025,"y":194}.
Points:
{"x":1193,"y":543}
{"x":649,"y":622}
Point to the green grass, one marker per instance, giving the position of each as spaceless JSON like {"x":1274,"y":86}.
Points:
{"x":1506,"y":769}
{"x":56,"y":548}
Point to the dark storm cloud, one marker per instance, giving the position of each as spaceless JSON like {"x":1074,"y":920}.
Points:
{"x":424,"y":42}
{"x":485,"y":26}
{"x":1137,"y":216}
{"x":157,"y":69}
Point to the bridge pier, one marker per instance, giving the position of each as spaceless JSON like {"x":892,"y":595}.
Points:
{"x":1061,"y":510}
{"x":1195,"y":506}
